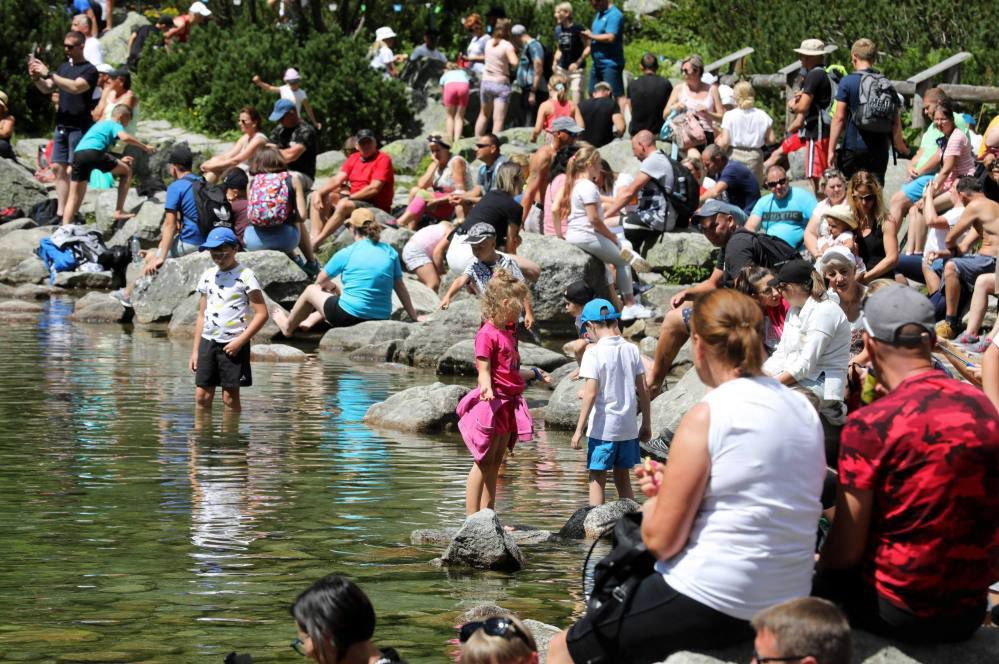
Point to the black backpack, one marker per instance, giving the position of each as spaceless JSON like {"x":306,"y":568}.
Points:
{"x":214,"y":209}
{"x":770,"y":250}
{"x":685,"y":196}
{"x":561,"y":161}
{"x":877,"y":104}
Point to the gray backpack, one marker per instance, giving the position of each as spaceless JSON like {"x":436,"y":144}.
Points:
{"x":878,"y":104}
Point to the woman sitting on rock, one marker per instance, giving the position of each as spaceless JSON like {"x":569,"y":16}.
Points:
{"x":447,"y":174}
{"x":370,"y":272}
{"x":243,"y":151}
{"x":833,"y":185}
{"x":732,"y":528}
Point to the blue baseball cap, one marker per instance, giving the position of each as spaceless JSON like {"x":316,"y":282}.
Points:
{"x":219,"y":237}
{"x":597,"y":310}
{"x":281,"y":109}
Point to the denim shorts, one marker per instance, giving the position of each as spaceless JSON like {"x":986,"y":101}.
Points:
{"x":611,"y":454}
{"x":607,"y":73}
{"x":64,"y":144}
{"x":283,"y":237}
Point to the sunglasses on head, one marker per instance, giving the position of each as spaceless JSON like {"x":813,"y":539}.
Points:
{"x":491,"y":626}
{"x":776,"y":183}
{"x":865,"y":197}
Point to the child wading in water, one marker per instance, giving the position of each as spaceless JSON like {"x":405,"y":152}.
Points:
{"x":614,"y":374}
{"x":221,"y":353}
{"x":494,"y":416}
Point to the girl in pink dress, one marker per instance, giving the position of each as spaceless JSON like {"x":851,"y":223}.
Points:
{"x":494,"y":415}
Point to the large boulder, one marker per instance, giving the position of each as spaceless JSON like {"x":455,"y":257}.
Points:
{"x":618,"y":154}
{"x":428,"y":342}
{"x":21,"y":224}
{"x":482,"y":543}
{"x":670,"y":406}
{"x":146,"y":225}
{"x":561,"y":264}
{"x":407,"y":153}
{"x":114,"y":43}
{"x":31,"y":270}
{"x":574,"y":526}
{"x":424,"y":300}
{"x":17,"y":187}
{"x":516,"y":136}
{"x":156,"y":298}
{"x":602,"y":517}
{"x":16,"y":246}
{"x":81,"y":279}
{"x":421,"y":409}
{"x":562,"y":411}
{"x":364,"y":334}
{"x":185,"y":317}
{"x":19,"y":309}
{"x":26,"y":149}
{"x":459,"y":359}
{"x":99,"y":308}
{"x":104,"y":209}
{"x":330,"y":162}
{"x":683,"y":248}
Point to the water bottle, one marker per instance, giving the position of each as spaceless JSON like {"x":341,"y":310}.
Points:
{"x":134,"y":246}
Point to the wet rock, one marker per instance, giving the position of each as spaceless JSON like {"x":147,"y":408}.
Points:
{"x":18,"y":188}
{"x":428,"y":342}
{"x":421,"y":409}
{"x":99,"y":308}
{"x":379,"y":352}
{"x":15,"y":246}
{"x":573,"y":528}
{"x":435,"y":536}
{"x":17,"y":309}
{"x":26,"y":292}
{"x":562,"y":411}
{"x":482,"y":543}
{"x":365,"y":334}
{"x":31,"y":270}
{"x":602,"y":517}
{"x":17,"y":225}
{"x":104,"y":209}
{"x":82,"y":280}
{"x":683,"y":248}
{"x":276,"y":353}
{"x":561,"y":264}
{"x":114,"y":43}
{"x":459,"y":359}
{"x":407,"y":154}
{"x":671,"y":405}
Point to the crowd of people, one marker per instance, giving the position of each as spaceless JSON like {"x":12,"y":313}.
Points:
{"x":826,"y":404}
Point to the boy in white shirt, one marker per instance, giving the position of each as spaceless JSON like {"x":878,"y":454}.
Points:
{"x":221,"y":353}
{"x":613,"y":396}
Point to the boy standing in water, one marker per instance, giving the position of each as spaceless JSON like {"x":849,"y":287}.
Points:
{"x":614,"y":375}
{"x":221,"y":353}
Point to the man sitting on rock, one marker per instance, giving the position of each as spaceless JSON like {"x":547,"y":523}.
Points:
{"x":487,"y":150}
{"x":733,"y":181}
{"x":297,"y":141}
{"x":368,"y":173}
{"x":719,"y":221}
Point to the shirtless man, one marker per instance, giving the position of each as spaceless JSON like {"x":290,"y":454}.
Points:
{"x":564,"y":132}
{"x":982,"y":215}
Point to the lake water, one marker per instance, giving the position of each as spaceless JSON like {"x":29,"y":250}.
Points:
{"x":135,"y":531}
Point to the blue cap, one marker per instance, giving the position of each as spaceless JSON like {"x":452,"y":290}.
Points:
{"x":597,"y":310}
{"x":281,"y":109}
{"x":219,"y":237}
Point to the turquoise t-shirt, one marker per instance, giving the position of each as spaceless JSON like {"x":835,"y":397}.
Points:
{"x":369,"y":271}
{"x":786,"y":218}
{"x":100,"y":137}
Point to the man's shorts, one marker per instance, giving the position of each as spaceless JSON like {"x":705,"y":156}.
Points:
{"x":816,"y":153}
{"x":687,"y":312}
{"x":913,"y":189}
{"x":216,"y":368}
{"x":64,"y":144}
{"x":969,"y":268}
{"x":611,"y":454}
{"x":86,"y":162}
{"x":611,"y":74}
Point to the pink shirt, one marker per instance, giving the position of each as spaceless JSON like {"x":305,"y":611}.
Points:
{"x":959,"y":146}
{"x":500,"y":348}
{"x":498,"y":61}
{"x":427,"y":237}
{"x":549,"y":205}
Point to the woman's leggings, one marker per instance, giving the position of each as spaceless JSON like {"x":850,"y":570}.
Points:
{"x":608,"y":252}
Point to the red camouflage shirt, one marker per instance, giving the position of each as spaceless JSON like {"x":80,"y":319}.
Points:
{"x":929,"y":451}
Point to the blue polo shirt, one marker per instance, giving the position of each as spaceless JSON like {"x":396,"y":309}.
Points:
{"x":786,"y":218}
{"x":100,"y":137}
{"x":610,"y":20}
{"x":368,"y":271}
{"x":180,"y":200}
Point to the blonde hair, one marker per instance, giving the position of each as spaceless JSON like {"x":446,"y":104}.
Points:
{"x":730,"y":325}
{"x":484,"y":649}
{"x":580,"y":162}
{"x":695,"y":60}
{"x":745,"y":97}
{"x":864,"y":180}
{"x":555,"y":81}
{"x":565,"y":7}
{"x":864,"y":49}
{"x":502,"y":301}
{"x":524,"y":162}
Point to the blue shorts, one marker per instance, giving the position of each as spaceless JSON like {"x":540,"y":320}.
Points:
{"x":910,"y":266}
{"x":283,"y":237}
{"x":969,"y":268}
{"x":64,"y":144}
{"x":608,"y":73}
{"x":607,"y":454}
{"x":914,"y":189}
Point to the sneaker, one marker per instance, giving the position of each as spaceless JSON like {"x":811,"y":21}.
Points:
{"x":635,"y":311}
{"x":944,"y":330}
{"x":636,"y":261}
{"x":967,"y":338}
{"x":120,"y":297}
{"x":980,"y":346}
{"x":312,"y":268}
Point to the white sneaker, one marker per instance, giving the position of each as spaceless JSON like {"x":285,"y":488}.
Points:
{"x":634,"y":311}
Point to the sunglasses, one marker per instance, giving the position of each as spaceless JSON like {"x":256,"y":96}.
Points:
{"x":688,"y":72}
{"x":492,"y":627}
{"x":763,"y":660}
{"x":70,"y":46}
{"x":776,"y":183}
{"x":483,"y":145}
{"x":867,"y":198}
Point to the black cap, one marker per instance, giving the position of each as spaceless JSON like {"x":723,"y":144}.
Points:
{"x":794,"y":272}
{"x":579,"y":292}
{"x":181,"y":155}
{"x":365,"y":134}
{"x":236,"y":179}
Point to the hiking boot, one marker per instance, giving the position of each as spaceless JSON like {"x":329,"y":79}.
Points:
{"x":944,"y":330}
{"x":120,"y":297}
{"x":967,"y":338}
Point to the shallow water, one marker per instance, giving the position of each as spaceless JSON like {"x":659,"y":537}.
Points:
{"x":134,"y":531}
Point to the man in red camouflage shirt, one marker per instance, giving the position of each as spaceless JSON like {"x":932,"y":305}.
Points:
{"x":914,"y":543}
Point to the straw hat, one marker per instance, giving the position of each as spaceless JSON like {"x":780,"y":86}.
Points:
{"x":812,"y":47}
{"x":841,"y":212}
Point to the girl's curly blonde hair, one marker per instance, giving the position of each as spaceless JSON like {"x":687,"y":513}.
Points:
{"x":504,"y":297}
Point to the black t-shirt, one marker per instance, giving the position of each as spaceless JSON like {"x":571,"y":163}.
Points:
{"x":570,"y":43}
{"x":648,"y":94}
{"x":303,"y":134}
{"x":817,"y":85}
{"x":598,"y":115}
{"x":745,"y":247}
{"x":74,"y":109}
{"x":499,"y":210}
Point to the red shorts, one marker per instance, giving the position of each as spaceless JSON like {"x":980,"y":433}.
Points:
{"x":456,"y":94}
{"x":816,"y":153}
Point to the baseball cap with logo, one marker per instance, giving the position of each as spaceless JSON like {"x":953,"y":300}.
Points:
{"x":480,"y":232}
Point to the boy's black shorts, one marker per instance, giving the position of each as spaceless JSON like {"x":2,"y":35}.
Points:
{"x":216,"y":368}
{"x":88,"y":161}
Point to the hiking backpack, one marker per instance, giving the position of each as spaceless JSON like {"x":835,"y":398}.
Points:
{"x":877,"y":104}
{"x":270,"y":199}
{"x":682,"y":200}
{"x":213,"y":207}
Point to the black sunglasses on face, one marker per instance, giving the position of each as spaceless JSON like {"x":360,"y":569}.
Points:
{"x":483,"y":145}
{"x":763,"y":660}
{"x":492,"y":627}
{"x":776,"y":183}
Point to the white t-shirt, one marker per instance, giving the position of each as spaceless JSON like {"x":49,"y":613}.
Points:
{"x":296,"y":97}
{"x":383,"y":58}
{"x":93,"y":52}
{"x":936,"y":238}
{"x":614,"y":363}
{"x":752,"y":543}
{"x":746,"y":128}
{"x":578,"y":226}
{"x":228,"y":306}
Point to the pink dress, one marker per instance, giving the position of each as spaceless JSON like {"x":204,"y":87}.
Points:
{"x":480,"y":422}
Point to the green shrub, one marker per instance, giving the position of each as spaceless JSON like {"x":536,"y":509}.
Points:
{"x":27,"y":23}
{"x":203,"y":85}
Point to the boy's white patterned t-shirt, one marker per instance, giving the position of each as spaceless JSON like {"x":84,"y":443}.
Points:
{"x":228,"y":303}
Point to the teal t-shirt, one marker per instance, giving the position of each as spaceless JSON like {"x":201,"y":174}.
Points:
{"x":786,"y":218}
{"x":368,"y":271}
{"x":101,"y":136}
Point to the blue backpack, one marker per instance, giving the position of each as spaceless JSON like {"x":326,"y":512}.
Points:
{"x":56,"y":259}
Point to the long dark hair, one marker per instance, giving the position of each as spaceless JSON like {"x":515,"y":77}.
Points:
{"x":336,"y":614}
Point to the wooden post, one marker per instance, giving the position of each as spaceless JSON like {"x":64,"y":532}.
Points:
{"x":949,"y":69}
